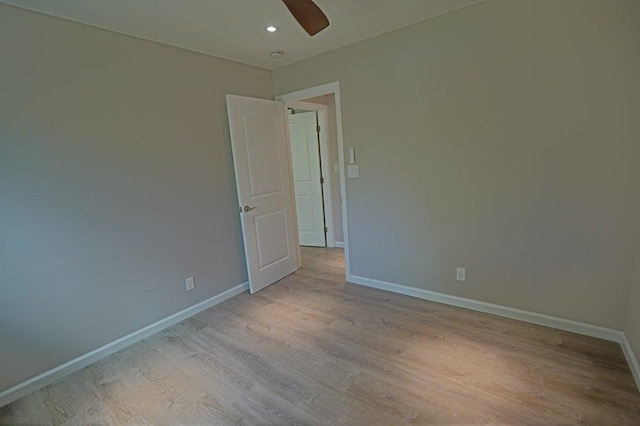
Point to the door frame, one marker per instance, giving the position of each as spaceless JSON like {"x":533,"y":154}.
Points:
{"x":312,"y":92}
{"x":323,"y":140}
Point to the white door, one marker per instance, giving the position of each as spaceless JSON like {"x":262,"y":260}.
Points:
{"x":305,"y":154}
{"x":262,"y":168}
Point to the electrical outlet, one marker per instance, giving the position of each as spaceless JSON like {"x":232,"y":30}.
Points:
{"x":460,"y":274}
{"x":190,"y":284}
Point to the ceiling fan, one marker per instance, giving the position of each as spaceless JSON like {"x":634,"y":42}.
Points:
{"x":308,"y":15}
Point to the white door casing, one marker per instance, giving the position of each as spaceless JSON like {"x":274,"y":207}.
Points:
{"x":305,"y":155}
{"x":326,"y":89}
{"x":263,"y":179}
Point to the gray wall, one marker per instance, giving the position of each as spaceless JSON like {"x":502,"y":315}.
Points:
{"x":116,"y":184}
{"x":632,"y":324}
{"x":330,"y":102}
{"x":503,"y":138}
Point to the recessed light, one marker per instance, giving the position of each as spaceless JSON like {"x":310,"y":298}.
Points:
{"x":271,"y":29}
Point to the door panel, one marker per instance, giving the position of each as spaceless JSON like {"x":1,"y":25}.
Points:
{"x":305,"y":153}
{"x":271,"y":231}
{"x":299,"y":151}
{"x":262,"y":127}
{"x":304,"y":207}
{"x":262,"y":169}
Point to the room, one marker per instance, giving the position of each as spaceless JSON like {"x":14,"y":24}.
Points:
{"x":483,"y":161}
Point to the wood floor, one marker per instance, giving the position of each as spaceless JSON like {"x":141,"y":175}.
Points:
{"x":314,"y":350}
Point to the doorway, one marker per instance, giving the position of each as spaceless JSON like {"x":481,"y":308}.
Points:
{"x":262,"y":156}
{"x":328,"y":95}
{"x":312,"y":177}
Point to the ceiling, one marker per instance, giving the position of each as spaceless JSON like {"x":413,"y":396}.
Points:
{"x":235,"y":29}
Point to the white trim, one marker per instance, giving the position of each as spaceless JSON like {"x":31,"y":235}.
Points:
{"x":82,"y":361}
{"x":585,"y":329}
{"x":294,"y":206}
{"x":327,"y":188}
{"x":307,"y":106}
{"x":503,"y":311}
{"x":76,"y":364}
{"x":327,"y":89}
{"x":339,"y":244}
{"x":631,"y":359}
{"x":325,"y":161}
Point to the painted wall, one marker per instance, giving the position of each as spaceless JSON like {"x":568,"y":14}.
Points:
{"x":330,"y":102}
{"x":116,"y":184}
{"x":632,"y":324}
{"x":503,"y":138}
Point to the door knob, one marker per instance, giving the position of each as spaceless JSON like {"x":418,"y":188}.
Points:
{"x":248,"y":209}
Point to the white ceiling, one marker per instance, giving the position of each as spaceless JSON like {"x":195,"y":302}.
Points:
{"x":234,"y":29}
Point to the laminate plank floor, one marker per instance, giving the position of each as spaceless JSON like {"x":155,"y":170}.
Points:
{"x":312,"y":349}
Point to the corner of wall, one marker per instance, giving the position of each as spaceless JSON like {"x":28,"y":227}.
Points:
{"x":631,"y":343}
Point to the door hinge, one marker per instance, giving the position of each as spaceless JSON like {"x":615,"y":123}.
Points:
{"x":326,"y":229}
{"x":318,"y":128}
{"x":321,"y":180}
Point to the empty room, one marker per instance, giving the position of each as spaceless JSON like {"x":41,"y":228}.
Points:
{"x":363,"y":212}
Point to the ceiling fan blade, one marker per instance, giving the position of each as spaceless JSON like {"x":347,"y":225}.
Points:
{"x":308,"y":14}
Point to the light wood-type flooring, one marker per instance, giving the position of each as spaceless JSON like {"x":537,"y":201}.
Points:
{"x":314,"y":350}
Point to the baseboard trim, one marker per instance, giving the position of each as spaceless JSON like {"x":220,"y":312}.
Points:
{"x":340,"y":244}
{"x":631,"y":359}
{"x":489,"y":308}
{"x":518,"y":314}
{"x":48,"y":377}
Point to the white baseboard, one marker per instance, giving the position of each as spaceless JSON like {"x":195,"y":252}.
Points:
{"x":631,"y":359}
{"x":340,"y":244}
{"x":76,"y":364}
{"x":503,"y":311}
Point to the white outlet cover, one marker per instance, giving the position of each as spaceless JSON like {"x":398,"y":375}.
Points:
{"x":190,"y":283}
{"x":460,"y":274}
{"x":352,"y":171}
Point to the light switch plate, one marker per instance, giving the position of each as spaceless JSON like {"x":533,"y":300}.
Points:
{"x":352,"y":171}
{"x":336,"y":167}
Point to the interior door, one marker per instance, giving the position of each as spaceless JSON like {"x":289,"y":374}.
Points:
{"x":307,"y":178}
{"x":262,"y":168}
